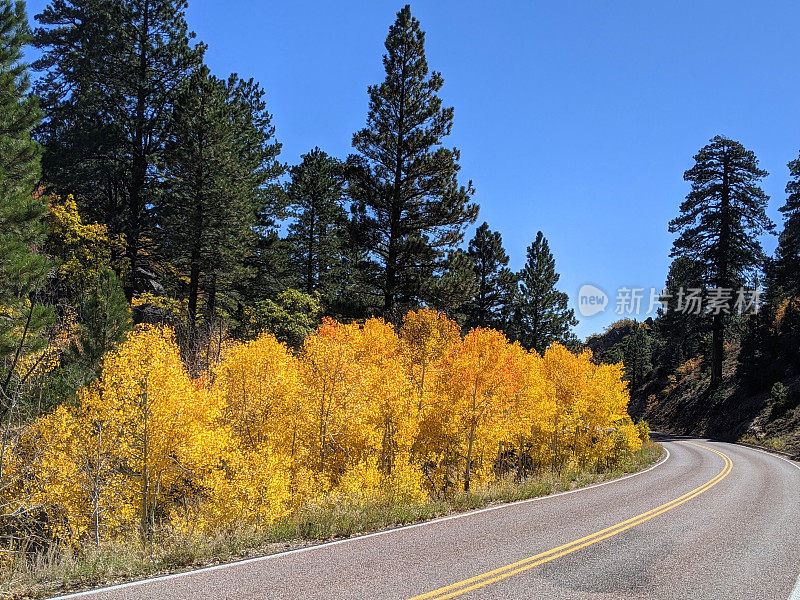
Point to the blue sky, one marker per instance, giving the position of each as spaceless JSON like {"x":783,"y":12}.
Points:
{"x":574,"y":118}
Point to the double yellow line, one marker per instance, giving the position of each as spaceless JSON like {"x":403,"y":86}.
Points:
{"x":490,"y":577}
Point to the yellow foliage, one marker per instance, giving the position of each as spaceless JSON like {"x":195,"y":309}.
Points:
{"x":259,"y":385}
{"x":41,"y":362}
{"x":366,"y":482}
{"x":252,"y":487}
{"x":143,"y":432}
{"x":177,"y":308}
{"x":86,"y":249}
{"x":359,"y":400}
{"x":360,"y":415}
{"x":426,"y":335}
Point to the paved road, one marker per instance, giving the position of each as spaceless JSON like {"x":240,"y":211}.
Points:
{"x":713,"y":521}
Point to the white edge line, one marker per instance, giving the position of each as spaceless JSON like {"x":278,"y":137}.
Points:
{"x":266,"y":557}
{"x":795,"y":595}
{"x":768,"y":453}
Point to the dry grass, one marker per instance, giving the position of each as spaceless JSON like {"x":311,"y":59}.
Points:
{"x":777,"y":443}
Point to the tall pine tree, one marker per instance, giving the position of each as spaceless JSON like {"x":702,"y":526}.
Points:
{"x":404,"y":180}
{"x":494,"y":279}
{"x":680,"y":328}
{"x":719,"y":224}
{"x":318,"y":233}
{"x":113,"y":69}
{"x":787,"y":260}
{"x":542,"y":315}
{"x":219,"y":164}
{"x":22,"y":211}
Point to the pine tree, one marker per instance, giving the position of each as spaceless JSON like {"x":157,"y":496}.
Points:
{"x":637,"y":356}
{"x":719,"y":224}
{"x":681,"y":330}
{"x":113,"y":69}
{"x":787,"y":260}
{"x":217,"y":163}
{"x":452,"y":290}
{"x":23,"y":269}
{"x":541,"y":316}
{"x":403,"y":178}
{"x":319,"y":232}
{"x":494,"y":279}
{"x":258,"y":173}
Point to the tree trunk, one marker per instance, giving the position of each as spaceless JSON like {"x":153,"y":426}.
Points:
{"x":96,"y":491}
{"x":310,"y":257}
{"x":717,"y":348}
{"x":724,"y":280}
{"x":391,"y":277}
{"x":145,"y":517}
{"x":395,"y":213}
{"x":468,"y":468}
{"x":322,"y":432}
{"x":194,"y":290}
{"x":139,"y":166}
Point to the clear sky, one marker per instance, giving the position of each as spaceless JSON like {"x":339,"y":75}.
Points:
{"x":574,"y":118}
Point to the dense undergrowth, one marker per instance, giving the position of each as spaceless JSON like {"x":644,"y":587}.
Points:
{"x":173,"y":550}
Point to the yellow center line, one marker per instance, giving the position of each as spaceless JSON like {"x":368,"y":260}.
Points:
{"x":495,"y":575}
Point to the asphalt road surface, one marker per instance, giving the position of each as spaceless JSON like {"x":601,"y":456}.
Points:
{"x":710,"y":521}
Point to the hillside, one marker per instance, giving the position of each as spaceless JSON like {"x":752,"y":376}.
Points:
{"x":684,"y":404}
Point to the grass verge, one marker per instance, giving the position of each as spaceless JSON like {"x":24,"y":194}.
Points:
{"x":58,"y":572}
{"x":779,"y":443}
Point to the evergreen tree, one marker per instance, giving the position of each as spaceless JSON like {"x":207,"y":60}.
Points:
{"x":719,"y":224}
{"x":760,"y":357}
{"x":354,"y":297}
{"x":318,"y":234}
{"x":403,"y":179}
{"x":787,"y":260}
{"x":451,"y":291}
{"x":541,"y":316}
{"x":218,"y":162}
{"x":494,"y":280}
{"x":258,"y":173}
{"x":23,"y":270}
{"x":637,"y":356}
{"x":680,"y":330}
{"x":113,"y":69}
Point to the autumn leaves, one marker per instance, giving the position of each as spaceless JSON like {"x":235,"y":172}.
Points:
{"x":362,"y":412}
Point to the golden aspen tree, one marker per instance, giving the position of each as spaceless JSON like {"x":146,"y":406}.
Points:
{"x":87,"y":249}
{"x":612,"y":432}
{"x":45,"y":491}
{"x":426,"y":335}
{"x":74,"y":480}
{"x":386,"y":393}
{"x":533,"y":409}
{"x":568,"y":380}
{"x":258,"y":382}
{"x":331,"y":377}
{"x":162,"y":423}
{"x":478,"y":383}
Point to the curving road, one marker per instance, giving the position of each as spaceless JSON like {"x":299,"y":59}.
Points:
{"x":710,"y":521}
